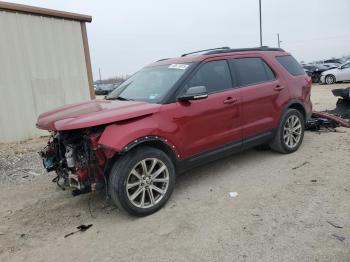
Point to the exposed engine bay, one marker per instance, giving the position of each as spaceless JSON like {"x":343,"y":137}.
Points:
{"x":77,"y":159}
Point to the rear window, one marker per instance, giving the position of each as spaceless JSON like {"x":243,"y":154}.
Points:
{"x":291,"y":65}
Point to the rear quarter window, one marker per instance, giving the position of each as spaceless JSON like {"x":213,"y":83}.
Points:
{"x":291,"y":65}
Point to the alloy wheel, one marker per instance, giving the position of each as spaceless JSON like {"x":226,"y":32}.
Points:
{"x":147,"y":183}
{"x":292,"y":131}
{"x":330,"y":80}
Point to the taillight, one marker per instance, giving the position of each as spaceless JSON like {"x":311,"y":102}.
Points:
{"x":309,"y":82}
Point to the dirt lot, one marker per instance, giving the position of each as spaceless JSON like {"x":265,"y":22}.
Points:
{"x":289,"y":208}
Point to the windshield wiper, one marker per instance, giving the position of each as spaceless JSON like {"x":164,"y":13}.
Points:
{"x":119,"y":98}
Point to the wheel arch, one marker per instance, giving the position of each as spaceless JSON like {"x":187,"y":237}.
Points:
{"x":298,"y":106}
{"x":151,"y":141}
{"x":294,"y":104}
{"x":156,"y":142}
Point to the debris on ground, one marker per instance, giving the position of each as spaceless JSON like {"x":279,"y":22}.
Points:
{"x":233,"y":194}
{"x":81,"y":228}
{"x":330,"y":119}
{"x":340,"y":238}
{"x":325,"y":120}
{"x":316,"y":123}
{"x":334,"y":225}
{"x":342,"y":92}
{"x":303,"y":164}
{"x":342,"y":109}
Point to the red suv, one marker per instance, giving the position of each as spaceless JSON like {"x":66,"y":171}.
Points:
{"x":173,"y":115}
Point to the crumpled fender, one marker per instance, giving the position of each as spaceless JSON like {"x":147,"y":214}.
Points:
{"x":117,"y":136}
{"x":120,"y":136}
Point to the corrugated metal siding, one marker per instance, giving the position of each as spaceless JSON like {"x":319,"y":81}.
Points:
{"x":42,"y":66}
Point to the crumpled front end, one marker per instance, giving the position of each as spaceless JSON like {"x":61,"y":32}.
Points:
{"x":77,"y":159}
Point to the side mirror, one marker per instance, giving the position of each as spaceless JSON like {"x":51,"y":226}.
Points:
{"x":194,"y":93}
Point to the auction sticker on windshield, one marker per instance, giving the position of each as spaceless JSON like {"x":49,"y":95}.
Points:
{"x":178,"y":66}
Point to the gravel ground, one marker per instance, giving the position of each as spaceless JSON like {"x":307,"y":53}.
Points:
{"x":288,"y":208}
{"x":21,"y":161}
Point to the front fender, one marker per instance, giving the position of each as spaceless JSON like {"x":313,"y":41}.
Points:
{"x":118,"y":135}
{"x":121,"y":137}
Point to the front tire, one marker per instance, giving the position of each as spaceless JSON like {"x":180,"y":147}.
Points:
{"x":290,"y":132}
{"x":142,"y":181}
{"x":330,"y":79}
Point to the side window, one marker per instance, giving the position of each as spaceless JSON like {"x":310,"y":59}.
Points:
{"x":253,"y":70}
{"x":270,"y":74}
{"x":291,"y":65}
{"x":214,"y":75}
{"x":346,"y":66}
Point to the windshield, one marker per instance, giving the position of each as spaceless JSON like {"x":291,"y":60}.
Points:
{"x":150,"y":84}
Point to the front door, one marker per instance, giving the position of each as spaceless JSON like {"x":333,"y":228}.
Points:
{"x":343,"y":74}
{"x":213,"y":122}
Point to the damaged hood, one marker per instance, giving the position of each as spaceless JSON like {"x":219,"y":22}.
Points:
{"x":93,"y":113}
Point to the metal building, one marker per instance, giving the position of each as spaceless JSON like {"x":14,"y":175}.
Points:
{"x":44,"y":63}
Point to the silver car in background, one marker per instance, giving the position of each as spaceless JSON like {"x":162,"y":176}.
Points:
{"x":339,"y":74}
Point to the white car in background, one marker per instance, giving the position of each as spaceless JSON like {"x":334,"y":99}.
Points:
{"x":339,"y":74}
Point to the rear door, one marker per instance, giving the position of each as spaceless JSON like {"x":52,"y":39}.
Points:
{"x":262,"y":91}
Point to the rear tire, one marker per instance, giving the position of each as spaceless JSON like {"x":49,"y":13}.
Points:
{"x":290,"y":132}
{"x":142,"y":181}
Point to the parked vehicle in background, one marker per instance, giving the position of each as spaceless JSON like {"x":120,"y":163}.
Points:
{"x":104,"y":89}
{"x":314,"y":71}
{"x":334,"y":61}
{"x":309,"y":73}
{"x":339,"y":74}
{"x":176,"y":114}
{"x":330,"y":65}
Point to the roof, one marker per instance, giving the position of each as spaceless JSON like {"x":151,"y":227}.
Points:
{"x":43,"y":12}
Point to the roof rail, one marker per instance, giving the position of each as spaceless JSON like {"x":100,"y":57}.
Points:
{"x":205,"y":50}
{"x":162,"y":59}
{"x":262,"y":48}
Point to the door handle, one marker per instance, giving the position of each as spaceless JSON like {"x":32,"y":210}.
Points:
{"x":278,"y":88}
{"x":230,"y":100}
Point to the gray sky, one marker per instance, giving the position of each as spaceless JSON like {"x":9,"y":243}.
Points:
{"x":126,"y":35}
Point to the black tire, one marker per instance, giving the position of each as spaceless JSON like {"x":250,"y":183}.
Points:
{"x":119,"y":174}
{"x":278,"y":144}
{"x":330,"y":79}
{"x":315,"y":78}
